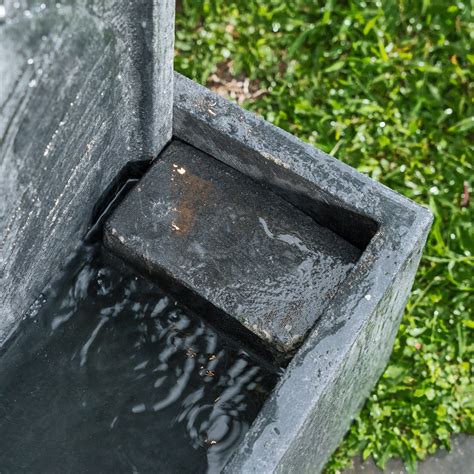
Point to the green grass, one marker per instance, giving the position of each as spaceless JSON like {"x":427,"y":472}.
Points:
{"x":388,"y":88}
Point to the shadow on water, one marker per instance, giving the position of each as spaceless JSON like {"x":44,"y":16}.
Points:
{"x":110,"y":373}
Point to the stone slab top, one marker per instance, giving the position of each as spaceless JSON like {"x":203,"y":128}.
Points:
{"x":248,"y":252}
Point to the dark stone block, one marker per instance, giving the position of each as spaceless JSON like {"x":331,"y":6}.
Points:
{"x":238,"y":245}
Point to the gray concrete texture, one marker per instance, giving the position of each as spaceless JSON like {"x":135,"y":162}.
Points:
{"x":85,"y":87}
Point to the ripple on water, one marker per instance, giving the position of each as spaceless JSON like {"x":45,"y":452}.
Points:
{"x":112,"y":373}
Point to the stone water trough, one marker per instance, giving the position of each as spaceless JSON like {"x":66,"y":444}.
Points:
{"x":285,"y":248}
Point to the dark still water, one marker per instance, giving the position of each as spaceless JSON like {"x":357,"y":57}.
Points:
{"x":109,"y":374}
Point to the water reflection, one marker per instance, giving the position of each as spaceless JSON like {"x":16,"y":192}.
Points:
{"x":111,"y":373}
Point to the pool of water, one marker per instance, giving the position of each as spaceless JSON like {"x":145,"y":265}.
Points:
{"x":110,"y":374}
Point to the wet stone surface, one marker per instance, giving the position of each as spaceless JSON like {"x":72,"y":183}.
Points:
{"x":85,"y":88}
{"x":109,"y":374}
{"x":198,"y":223}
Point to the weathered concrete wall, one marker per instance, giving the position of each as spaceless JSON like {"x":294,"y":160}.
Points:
{"x":85,"y":87}
{"x":331,"y":374}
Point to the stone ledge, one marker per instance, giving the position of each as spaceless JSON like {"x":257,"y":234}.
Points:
{"x":242,"y":248}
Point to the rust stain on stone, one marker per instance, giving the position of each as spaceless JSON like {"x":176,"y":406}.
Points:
{"x":190,"y":193}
